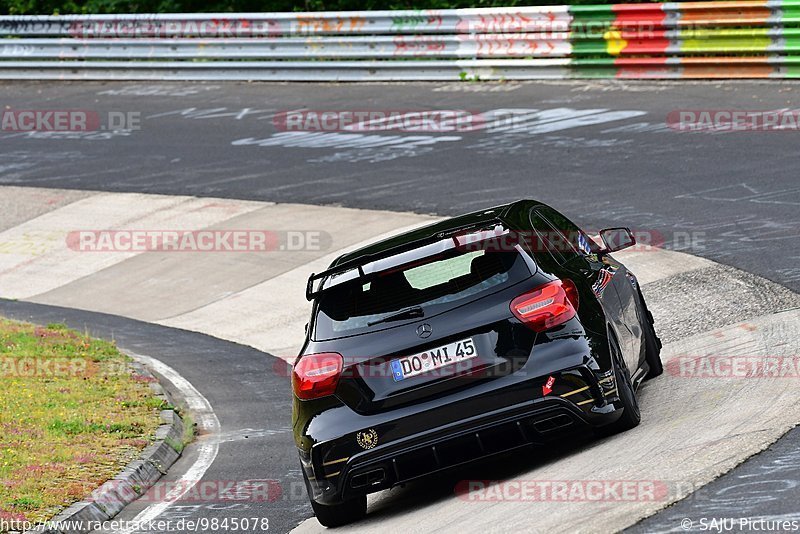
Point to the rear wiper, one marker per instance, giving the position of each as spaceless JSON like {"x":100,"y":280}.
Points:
{"x":408,"y":313}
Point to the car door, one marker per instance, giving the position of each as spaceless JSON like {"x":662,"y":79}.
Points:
{"x":607,"y":277}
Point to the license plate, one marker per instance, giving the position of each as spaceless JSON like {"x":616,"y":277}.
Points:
{"x":416,"y":364}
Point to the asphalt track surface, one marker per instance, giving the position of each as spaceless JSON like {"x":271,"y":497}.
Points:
{"x":736,"y":193}
{"x":730,"y":197}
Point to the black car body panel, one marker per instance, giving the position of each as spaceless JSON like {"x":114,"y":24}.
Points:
{"x":523,"y":386}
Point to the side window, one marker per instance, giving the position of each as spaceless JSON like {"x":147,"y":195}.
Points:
{"x":574,"y":235}
{"x":548,"y":238}
{"x":560,"y":236}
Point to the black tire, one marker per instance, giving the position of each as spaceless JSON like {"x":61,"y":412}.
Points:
{"x":631,"y":415}
{"x":652,"y":345}
{"x":340,"y":514}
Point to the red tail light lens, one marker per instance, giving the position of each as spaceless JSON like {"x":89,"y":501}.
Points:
{"x":316,"y":375}
{"x":572,"y":293}
{"x":547,"y":306}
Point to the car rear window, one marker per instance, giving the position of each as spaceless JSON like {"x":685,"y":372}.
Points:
{"x":435,"y":284}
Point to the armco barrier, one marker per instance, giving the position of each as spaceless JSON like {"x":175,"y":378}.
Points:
{"x":729,"y":39}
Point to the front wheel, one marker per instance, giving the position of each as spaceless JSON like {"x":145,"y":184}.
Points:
{"x":340,"y":514}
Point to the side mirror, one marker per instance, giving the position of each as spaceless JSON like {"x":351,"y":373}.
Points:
{"x":616,"y":239}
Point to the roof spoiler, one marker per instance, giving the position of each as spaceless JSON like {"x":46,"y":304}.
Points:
{"x":310,"y":293}
{"x":357,"y":263}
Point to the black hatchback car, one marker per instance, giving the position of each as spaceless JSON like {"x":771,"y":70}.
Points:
{"x":466,"y":338}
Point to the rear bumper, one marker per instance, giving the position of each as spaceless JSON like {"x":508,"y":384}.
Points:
{"x":503,"y":415}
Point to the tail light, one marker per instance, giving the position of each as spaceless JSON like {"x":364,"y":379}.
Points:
{"x":547,"y":306}
{"x":316,"y":375}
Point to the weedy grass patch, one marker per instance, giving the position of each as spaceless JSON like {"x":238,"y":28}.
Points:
{"x":72,"y":415}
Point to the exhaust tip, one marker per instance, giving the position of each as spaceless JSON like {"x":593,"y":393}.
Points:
{"x":552,"y":423}
{"x":368,"y":478}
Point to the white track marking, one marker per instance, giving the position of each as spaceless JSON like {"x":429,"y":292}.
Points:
{"x":36,"y":258}
{"x":206,"y":420}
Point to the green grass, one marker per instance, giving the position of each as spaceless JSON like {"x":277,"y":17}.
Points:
{"x":72,"y":415}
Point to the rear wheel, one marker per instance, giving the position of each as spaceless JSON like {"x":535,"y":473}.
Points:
{"x":631,"y":415}
{"x":340,"y":514}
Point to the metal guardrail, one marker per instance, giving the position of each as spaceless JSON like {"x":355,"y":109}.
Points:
{"x":723,"y":39}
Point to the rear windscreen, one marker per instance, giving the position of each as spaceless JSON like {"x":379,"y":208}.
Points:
{"x":434,"y":284}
